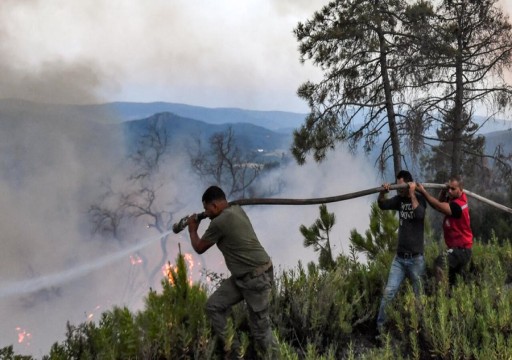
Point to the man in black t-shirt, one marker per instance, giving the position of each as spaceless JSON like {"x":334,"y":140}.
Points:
{"x":408,"y":261}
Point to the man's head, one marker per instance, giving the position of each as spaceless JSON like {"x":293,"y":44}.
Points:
{"x":214,"y":201}
{"x":403,"y":177}
{"x":455,"y":187}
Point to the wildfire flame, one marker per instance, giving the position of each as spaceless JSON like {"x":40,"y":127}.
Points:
{"x":23,"y":336}
{"x":166,"y":269}
{"x":91,"y":314}
{"x":188,"y":257}
{"x":135,"y":260}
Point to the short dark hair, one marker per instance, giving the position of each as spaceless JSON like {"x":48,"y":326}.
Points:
{"x":404,"y":174}
{"x":457,"y":178}
{"x":213,"y":193}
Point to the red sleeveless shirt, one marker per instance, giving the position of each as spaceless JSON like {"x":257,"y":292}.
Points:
{"x":457,"y":232}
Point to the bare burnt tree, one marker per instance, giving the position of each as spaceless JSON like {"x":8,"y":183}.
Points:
{"x":142,"y":197}
{"x":223,"y":163}
{"x":152,"y":145}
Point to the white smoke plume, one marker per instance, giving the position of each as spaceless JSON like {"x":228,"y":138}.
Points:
{"x":53,"y":159}
{"x":54,"y":271}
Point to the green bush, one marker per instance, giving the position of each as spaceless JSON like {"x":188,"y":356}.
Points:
{"x":319,"y":313}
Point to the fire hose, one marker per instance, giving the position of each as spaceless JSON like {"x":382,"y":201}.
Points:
{"x":179,"y":226}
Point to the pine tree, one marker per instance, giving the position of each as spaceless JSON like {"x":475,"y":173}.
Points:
{"x":381,"y":237}
{"x":317,"y":236}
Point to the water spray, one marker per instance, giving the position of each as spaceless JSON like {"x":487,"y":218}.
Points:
{"x":36,"y":284}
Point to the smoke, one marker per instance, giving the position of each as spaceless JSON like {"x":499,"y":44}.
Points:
{"x":42,"y":75}
{"x":278,"y":226}
{"x":51,"y":281}
{"x":240,"y":54}
{"x":303,"y":7}
{"x":54,"y":157}
{"x":51,"y":164}
{"x":506,"y":6}
{"x":51,"y":160}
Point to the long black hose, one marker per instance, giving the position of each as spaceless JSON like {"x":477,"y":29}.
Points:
{"x":353,"y":195}
{"x":180,"y":225}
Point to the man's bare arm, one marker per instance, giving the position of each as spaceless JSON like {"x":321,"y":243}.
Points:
{"x":442,"y":207}
{"x":199,"y":245}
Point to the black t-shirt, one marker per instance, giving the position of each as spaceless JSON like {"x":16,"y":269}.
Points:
{"x":412,"y":224}
{"x":456,"y":210}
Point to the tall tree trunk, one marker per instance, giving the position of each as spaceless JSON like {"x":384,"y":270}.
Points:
{"x":458,"y":122}
{"x":393,"y":129}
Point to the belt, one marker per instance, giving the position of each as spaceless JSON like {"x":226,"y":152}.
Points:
{"x":257,"y":271}
{"x":261,"y":269}
{"x":407,"y":255}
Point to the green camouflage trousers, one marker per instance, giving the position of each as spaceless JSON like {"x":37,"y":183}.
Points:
{"x":255,"y":290}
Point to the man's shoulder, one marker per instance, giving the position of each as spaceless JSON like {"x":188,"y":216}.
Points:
{"x":389,"y":203}
{"x":456,"y":208}
{"x":460,"y":201}
{"x":421,"y":198}
{"x":232,"y":209}
{"x":229,"y":212}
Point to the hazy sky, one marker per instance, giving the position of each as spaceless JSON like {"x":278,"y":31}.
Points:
{"x":213,"y":53}
{"x":222,"y":53}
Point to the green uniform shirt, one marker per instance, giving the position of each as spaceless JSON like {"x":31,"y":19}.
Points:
{"x":234,"y":235}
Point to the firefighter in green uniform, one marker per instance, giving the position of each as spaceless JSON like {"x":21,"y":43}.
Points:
{"x":251,"y":268}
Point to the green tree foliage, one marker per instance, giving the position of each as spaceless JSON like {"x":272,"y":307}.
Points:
{"x":319,"y":314}
{"x":438,"y":165}
{"x":465,"y":47}
{"x":325,"y":310}
{"x":317,"y":236}
{"x":409,"y":66}
{"x":354,"y":42}
{"x":7,"y":353}
{"x":172,"y":326}
{"x":380,"y":238}
{"x":470,"y":320}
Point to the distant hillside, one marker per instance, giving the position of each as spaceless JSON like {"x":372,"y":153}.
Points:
{"x":499,"y":138}
{"x":274,"y":120}
{"x":493,"y":125}
{"x":197,"y":121}
{"x":183,"y":133}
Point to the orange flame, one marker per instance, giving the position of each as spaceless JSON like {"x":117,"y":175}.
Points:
{"x":166,"y":269}
{"x":91,"y":314}
{"x":23,"y":336}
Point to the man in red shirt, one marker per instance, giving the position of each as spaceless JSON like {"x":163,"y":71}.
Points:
{"x":458,"y":236}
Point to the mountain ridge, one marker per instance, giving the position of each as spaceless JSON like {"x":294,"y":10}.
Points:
{"x":183,"y":131}
{"x":496,"y":131}
{"x":275,"y":120}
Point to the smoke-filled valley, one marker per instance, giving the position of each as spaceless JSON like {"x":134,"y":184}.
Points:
{"x":57,"y":162}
